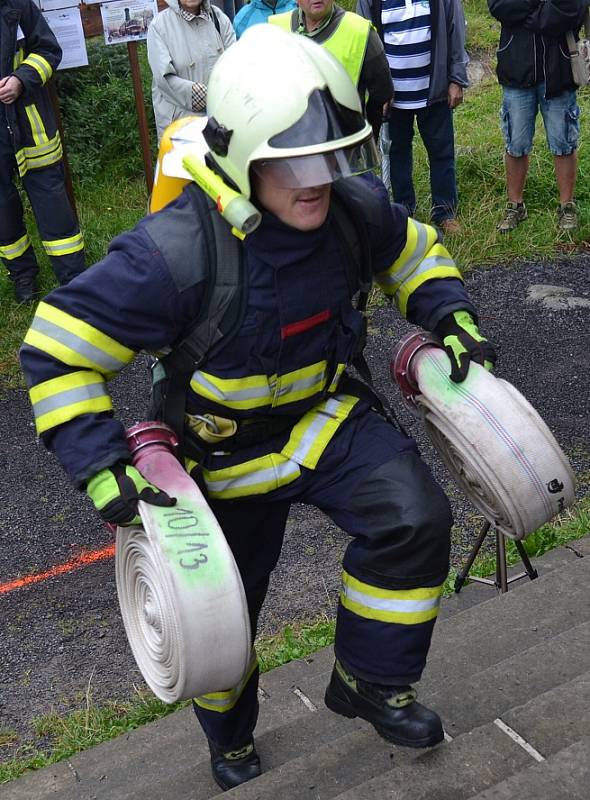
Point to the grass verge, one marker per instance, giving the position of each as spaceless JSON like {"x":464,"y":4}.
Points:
{"x":61,"y":736}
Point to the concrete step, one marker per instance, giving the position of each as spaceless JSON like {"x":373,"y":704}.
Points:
{"x":493,"y":631}
{"x":564,"y":776}
{"x":486,"y":756}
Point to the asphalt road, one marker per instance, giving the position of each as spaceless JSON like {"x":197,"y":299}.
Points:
{"x":62,"y":635}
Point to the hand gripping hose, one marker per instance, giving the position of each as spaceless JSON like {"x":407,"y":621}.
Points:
{"x":180,"y":592}
{"x":493,"y":442}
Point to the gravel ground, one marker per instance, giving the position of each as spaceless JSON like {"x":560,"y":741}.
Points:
{"x":59,"y":636}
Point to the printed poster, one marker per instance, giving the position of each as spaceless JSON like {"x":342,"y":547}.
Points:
{"x":66,"y":24}
{"x":127,"y":20}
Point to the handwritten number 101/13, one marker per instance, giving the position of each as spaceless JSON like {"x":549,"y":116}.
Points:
{"x":185,"y":522}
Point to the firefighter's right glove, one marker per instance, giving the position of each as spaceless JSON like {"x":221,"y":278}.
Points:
{"x":464,"y":343}
{"x":116,"y":490}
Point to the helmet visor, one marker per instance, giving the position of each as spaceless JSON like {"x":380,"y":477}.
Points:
{"x":300,"y":172}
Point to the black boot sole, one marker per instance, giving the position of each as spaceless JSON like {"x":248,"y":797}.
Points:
{"x":343,"y":707}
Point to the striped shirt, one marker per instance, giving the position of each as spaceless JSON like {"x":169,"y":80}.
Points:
{"x":407,"y":39}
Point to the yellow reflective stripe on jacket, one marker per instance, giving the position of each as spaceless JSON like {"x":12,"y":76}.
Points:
{"x":257,"y":476}
{"x":312,"y":434}
{"x":336,"y":379}
{"x":60,"y":399}
{"x":40,"y":65}
{"x":37,"y":127}
{"x":422,"y":259}
{"x":402,"y":606}
{"x":75,"y":342}
{"x":18,"y":58}
{"x":15,"y":249}
{"x":225,"y":701}
{"x":39,"y":156}
{"x":63,"y":247}
{"x":258,"y":391}
{"x":307,"y":442}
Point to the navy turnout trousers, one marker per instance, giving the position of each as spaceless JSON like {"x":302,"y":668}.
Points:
{"x":56,"y":222}
{"x":373,"y":484}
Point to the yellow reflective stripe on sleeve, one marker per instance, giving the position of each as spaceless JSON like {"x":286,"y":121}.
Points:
{"x":37,"y":128}
{"x":257,"y":476}
{"x":439,"y":264}
{"x":225,"y":701}
{"x":400,"y":606}
{"x":75,"y":342}
{"x":63,"y":247}
{"x":311,"y":435}
{"x":419,"y":239}
{"x":16,"y":249}
{"x":61,"y":399}
{"x":40,"y":65}
{"x":18,"y":58}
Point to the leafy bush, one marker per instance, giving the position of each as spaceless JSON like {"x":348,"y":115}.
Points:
{"x":98,"y":109}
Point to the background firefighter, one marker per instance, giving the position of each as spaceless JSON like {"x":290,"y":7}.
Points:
{"x":30,"y":144}
{"x":304,"y":430}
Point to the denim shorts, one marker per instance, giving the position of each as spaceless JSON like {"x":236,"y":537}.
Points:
{"x":561,"y":116}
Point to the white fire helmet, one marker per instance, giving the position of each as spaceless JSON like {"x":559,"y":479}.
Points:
{"x":278,"y":102}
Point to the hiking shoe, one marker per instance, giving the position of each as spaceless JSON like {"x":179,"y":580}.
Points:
{"x":234,"y":767}
{"x":514,"y":214}
{"x":391,"y":710}
{"x":450,"y":226}
{"x":567,"y":216}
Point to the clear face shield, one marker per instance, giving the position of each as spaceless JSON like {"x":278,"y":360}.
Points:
{"x":299,"y":172}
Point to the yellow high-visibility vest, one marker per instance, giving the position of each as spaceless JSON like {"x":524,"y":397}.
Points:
{"x":348,"y":42}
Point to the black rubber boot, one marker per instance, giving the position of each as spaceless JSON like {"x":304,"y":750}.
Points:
{"x":233,"y":767}
{"x":391,"y":710}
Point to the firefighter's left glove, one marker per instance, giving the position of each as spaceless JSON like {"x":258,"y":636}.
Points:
{"x":116,"y":490}
{"x":464,"y":343}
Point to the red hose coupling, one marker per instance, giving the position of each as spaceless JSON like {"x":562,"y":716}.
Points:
{"x":401,"y":367}
{"x":147,"y":434}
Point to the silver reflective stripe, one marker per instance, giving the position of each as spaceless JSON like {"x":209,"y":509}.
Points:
{"x":54,"y":249}
{"x":384,"y":604}
{"x":105,"y":361}
{"x":271,"y":475}
{"x":302,"y":383}
{"x":436,"y":261}
{"x":68,"y":398}
{"x":252,"y":393}
{"x":310,"y":436}
{"x":406,"y":269}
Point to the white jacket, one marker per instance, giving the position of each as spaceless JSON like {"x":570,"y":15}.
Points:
{"x":182,"y":53}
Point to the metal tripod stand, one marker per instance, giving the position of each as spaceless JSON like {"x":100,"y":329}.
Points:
{"x":501,"y":580}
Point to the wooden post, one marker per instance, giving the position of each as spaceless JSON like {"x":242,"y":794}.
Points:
{"x":144,"y":136}
{"x":67,"y":172}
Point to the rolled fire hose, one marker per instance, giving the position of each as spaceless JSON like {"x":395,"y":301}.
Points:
{"x":493,"y":442}
{"x":180,"y":592}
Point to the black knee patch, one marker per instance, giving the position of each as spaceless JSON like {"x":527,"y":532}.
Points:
{"x":408,"y":522}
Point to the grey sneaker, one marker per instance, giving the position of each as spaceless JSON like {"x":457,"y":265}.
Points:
{"x":514,"y":214}
{"x":567,"y":216}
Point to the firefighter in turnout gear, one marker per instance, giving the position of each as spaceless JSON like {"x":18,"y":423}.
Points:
{"x":297,"y":426}
{"x":30,"y":145}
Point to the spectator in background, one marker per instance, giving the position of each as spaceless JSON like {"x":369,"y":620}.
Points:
{"x":30,"y":142}
{"x":257,"y":11}
{"x":184,"y":41}
{"x":425,"y":47}
{"x":354,"y":43}
{"x":535,"y":73}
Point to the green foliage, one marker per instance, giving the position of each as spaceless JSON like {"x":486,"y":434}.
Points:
{"x":294,"y":641}
{"x":99,"y":115}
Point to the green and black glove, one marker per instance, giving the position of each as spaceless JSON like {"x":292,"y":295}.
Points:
{"x":115,"y":491}
{"x":464,"y":343}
